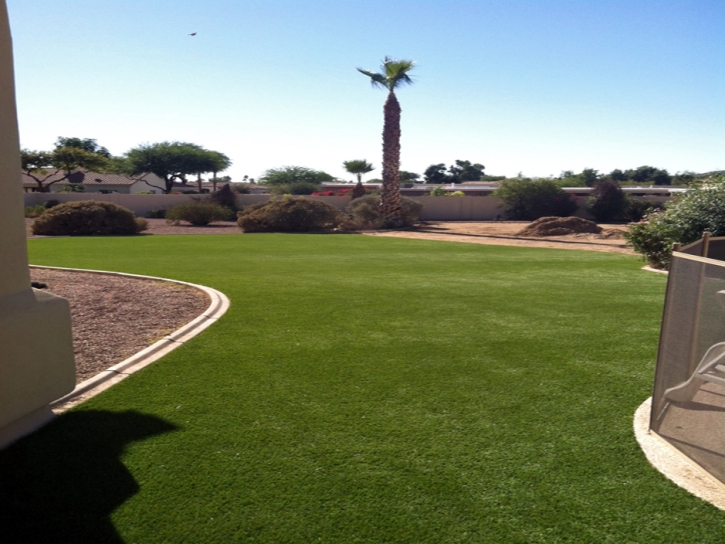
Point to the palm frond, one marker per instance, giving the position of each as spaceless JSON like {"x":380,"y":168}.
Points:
{"x":375,"y":78}
{"x":396,"y":72}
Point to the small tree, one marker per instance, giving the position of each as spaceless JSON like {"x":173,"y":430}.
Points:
{"x":529,"y":199}
{"x":608,"y":202}
{"x":358,"y":167}
{"x":171,"y":161}
{"x":409,"y":176}
{"x":465,"y":171}
{"x":49,"y":167}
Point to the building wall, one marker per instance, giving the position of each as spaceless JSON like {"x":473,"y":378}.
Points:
{"x":435,"y":208}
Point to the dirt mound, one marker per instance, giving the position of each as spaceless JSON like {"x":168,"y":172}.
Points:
{"x":559,"y":226}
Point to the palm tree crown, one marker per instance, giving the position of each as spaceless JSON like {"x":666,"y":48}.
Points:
{"x":394,"y":74}
{"x":358,"y":167}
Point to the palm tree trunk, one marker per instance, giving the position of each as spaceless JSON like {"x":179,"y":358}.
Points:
{"x":390,"y":194}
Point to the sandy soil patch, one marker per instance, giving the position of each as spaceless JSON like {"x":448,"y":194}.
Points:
{"x":505,"y":233}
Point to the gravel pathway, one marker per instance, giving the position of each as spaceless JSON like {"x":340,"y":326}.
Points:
{"x":114,"y":317}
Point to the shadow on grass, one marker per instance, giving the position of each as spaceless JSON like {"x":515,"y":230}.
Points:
{"x":62,"y":483}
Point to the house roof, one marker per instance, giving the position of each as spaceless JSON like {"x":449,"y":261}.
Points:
{"x":90,"y":178}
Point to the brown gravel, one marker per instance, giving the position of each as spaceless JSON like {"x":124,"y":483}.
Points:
{"x":115,"y":317}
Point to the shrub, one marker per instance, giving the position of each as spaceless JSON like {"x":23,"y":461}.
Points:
{"x":156,"y":214}
{"x":457,"y":193}
{"x":87,"y":218}
{"x":683,"y":220}
{"x":298,"y":188}
{"x":48,"y":204}
{"x":438,"y":191}
{"x":637,"y":209}
{"x":241,"y":188}
{"x":529,"y":199}
{"x":365,"y":212}
{"x":290,"y":215}
{"x":358,"y":191}
{"x":34,"y":211}
{"x":608,"y":202}
{"x":197,"y":213}
{"x":225,"y":198}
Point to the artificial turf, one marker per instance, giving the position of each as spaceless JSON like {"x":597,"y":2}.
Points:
{"x":367,"y":390}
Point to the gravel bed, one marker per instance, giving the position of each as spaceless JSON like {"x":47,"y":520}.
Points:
{"x":115,"y":317}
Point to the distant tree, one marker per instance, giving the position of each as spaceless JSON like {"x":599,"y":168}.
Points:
{"x":607,"y":202}
{"x":435,"y":173}
{"x":649,"y":174}
{"x":662,"y":177}
{"x":49,"y":167}
{"x":456,"y":173}
{"x":567,"y":174}
{"x":394,"y":75}
{"x":86,"y":144}
{"x":642,"y":174}
{"x":589,"y":176}
{"x":287,"y":175}
{"x":224,"y":179}
{"x":465,"y":171}
{"x":617,"y":175}
{"x":358,"y":167}
{"x":409,"y":176}
{"x":171,"y":161}
{"x":684,"y":178}
{"x":219,"y":163}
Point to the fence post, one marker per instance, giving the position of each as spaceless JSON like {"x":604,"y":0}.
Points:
{"x":705,"y":244}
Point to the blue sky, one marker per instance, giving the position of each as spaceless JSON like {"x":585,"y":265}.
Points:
{"x":532,"y":86}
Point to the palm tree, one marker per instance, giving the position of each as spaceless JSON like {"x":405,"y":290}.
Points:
{"x":358,"y":168}
{"x":394,"y":74}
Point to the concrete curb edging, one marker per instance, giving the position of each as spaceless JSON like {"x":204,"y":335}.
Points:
{"x":648,"y":268}
{"x":674,"y":464}
{"x":103,"y":380}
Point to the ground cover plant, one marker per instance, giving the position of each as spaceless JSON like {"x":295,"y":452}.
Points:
{"x":197,"y":213}
{"x":367,"y":389}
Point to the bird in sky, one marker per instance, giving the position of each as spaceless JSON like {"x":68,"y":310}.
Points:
{"x":192,"y":34}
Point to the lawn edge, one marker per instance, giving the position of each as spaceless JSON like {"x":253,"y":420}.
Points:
{"x":674,"y":464}
{"x":219,"y":304}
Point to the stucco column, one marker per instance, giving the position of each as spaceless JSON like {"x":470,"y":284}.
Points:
{"x":36,"y":345}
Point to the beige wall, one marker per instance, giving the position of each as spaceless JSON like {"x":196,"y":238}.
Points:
{"x":435,"y":208}
{"x":36,"y":361}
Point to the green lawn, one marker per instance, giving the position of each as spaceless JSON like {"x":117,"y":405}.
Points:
{"x":367,"y":390}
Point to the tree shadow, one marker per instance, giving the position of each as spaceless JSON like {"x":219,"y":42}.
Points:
{"x":62,"y":483}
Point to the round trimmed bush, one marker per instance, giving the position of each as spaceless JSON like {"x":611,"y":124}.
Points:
{"x":87,"y":218}
{"x":290,"y":215}
{"x":365,"y":212}
{"x":197,"y":213}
